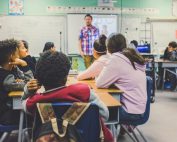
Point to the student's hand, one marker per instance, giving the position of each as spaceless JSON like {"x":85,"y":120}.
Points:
{"x":33,"y":85}
{"x":19,"y":80}
{"x":18,"y":62}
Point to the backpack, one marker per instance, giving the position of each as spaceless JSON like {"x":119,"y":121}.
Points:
{"x":59,"y":130}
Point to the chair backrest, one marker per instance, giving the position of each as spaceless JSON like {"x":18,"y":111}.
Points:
{"x":149,"y":94}
{"x":88,"y":125}
{"x":8,"y":128}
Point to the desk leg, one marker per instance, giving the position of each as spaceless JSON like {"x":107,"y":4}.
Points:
{"x":20,"y":126}
{"x":164,"y":74}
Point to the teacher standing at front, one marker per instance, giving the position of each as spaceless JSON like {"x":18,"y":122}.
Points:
{"x":88,"y":35}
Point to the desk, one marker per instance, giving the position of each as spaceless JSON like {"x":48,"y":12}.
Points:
{"x":164,"y":63}
{"x":18,"y":106}
{"x":91,"y":83}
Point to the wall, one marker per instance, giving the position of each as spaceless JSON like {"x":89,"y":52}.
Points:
{"x":38,"y":7}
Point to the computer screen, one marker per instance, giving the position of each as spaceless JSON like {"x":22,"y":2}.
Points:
{"x":144,"y":48}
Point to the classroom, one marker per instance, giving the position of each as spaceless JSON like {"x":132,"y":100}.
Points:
{"x":88,"y":70}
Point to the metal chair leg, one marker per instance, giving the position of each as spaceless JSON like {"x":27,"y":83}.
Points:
{"x":141,"y":134}
{"x":4,"y":136}
{"x":132,"y":138}
{"x":134,"y":134}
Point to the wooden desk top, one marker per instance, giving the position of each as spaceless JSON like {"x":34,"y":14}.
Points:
{"x":91,"y":83}
{"x":102,"y":93}
{"x":15,"y":94}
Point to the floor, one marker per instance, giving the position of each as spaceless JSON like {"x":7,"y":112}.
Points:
{"x":162,"y":124}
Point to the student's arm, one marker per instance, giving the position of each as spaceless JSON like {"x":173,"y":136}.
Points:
{"x":103,"y":110}
{"x":11,"y":84}
{"x":26,"y":74}
{"x":30,"y":88}
{"x":108,"y":75}
{"x":91,"y":72}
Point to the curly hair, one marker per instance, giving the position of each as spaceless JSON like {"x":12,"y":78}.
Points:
{"x":52,"y":69}
{"x":7,"y":48}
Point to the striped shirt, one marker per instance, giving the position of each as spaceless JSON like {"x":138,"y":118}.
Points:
{"x":87,"y":36}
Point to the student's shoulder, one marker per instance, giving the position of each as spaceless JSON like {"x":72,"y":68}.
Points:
{"x":79,"y":86}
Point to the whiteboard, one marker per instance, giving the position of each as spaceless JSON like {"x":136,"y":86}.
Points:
{"x":130,"y":28}
{"x":107,"y":24}
{"x":36,"y":30}
{"x":163,"y":33}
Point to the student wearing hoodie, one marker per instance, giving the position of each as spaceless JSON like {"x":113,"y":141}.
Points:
{"x":126,"y":70}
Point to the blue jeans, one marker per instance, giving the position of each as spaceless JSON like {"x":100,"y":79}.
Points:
{"x":127,"y":118}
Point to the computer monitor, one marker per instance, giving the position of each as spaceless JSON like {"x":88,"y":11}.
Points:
{"x":144,"y":48}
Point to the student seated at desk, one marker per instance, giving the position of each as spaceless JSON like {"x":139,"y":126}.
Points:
{"x":170,"y":54}
{"x":52,"y":70}
{"x":24,"y":55}
{"x":100,"y":54}
{"x":126,"y":70}
{"x":11,"y":79}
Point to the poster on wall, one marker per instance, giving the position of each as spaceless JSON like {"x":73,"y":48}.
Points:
{"x":16,"y":7}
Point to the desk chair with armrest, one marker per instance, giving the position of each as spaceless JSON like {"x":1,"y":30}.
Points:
{"x":132,"y":126}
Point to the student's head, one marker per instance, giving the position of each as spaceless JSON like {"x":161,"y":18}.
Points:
{"x":49,"y":46}
{"x":23,"y":51}
{"x":25,"y":44}
{"x":99,"y":46}
{"x":8,"y":51}
{"x":88,"y":19}
{"x":171,"y":46}
{"x":116,"y":43}
{"x":52,"y":69}
{"x":135,"y":43}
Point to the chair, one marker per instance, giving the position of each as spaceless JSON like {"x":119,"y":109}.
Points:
{"x":88,"y":125}
{"x":6,"y":130}
{"x":145,"y":117}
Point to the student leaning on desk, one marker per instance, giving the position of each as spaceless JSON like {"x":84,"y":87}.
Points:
{"x":101,"y":57}
{"x":170,"y":54}
{"x":11,"y":79}
{"x":52,"y":70}
{"x":126,"y":70}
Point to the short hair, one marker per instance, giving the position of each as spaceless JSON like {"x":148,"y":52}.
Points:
{"x":135,"y":43}
{"x":88,"y":15}
{"x":48,"y":46}
{"x":116,"y":43}
{"x":52,"y":69}
{"x":25,"y":44}
{"x":7,"y":48}
{"x":100,"y":45}
{"x":173,"y":44}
